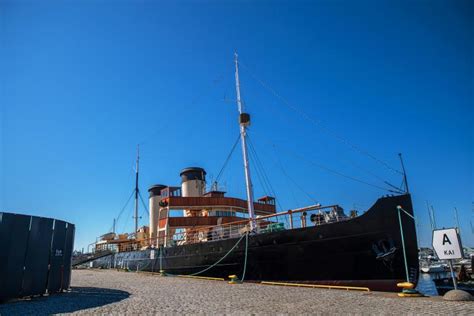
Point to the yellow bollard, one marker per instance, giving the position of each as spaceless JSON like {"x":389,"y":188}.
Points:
{"x":234,"y":279}
{"x":406,"y":285}
{"x":408,"y":290}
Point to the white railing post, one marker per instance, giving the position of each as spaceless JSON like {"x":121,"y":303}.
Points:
{"x":290,"y":214}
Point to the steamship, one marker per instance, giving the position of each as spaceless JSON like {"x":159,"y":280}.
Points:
{"x":217,"y":236}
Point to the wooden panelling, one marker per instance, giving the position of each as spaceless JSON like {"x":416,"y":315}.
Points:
{"x":186,"y":222}
{"x":203,"y":202}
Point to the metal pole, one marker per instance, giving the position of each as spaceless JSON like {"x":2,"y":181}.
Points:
{"x":136,"y":190}
{"x":431,"y":218}
{"x":403,"y":243}
{"x":404,"y":174}
{"x":161,"y":258}
{"x":457,"y":220}
{"x":243,"y":134}
{"x":455,"y":283}
{"x":434,"y":218}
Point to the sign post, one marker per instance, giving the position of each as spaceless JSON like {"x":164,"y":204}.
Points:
{"x":447,"y":245}
{"x":455,"y":283}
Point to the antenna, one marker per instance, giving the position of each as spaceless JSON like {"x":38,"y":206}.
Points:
{"x":244,"y":120}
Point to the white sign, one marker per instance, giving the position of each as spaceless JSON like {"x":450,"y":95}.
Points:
{"x":447,"y":244}
{"x":152,"y":254}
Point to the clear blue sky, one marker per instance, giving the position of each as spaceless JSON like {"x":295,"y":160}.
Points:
{"x":83,"y":82}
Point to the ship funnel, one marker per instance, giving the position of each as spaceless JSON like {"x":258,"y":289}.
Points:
{"x":193,"y":182}
{"x":154,"y":207}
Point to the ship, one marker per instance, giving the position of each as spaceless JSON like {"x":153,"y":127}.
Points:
{"x":195,"y":231}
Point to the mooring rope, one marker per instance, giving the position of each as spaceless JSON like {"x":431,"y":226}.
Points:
{"x":399,"y":209}
{"x":246,"y":252}
{"x":217,"y":262}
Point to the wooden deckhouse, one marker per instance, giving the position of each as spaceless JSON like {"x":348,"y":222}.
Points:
{"x":186,"y":214}
{"x":200,"y":210}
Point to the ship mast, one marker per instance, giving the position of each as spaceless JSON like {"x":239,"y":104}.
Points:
{"x":136,"y":189}
{"x":244,"y":121}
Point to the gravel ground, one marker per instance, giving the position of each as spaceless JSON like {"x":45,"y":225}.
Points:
{"x":112,"y":292}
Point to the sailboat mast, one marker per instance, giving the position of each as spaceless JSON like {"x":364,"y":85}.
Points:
{"x":434,"y":218}
{"x":136,"y":188}
{"x":244,"y":121}
{"x":431,"y":217}
{"x":457,"y":220}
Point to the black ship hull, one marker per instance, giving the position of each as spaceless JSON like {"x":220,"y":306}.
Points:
{"x":364,"y":251}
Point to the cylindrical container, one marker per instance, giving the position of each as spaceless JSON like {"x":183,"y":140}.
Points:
{"x":193,"y":182}
{"x":154,"y":207}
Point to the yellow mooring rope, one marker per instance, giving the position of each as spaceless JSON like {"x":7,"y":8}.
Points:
{"x":338,"y":287}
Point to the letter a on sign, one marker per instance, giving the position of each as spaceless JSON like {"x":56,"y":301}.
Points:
{"x":447,"y":244}
{"x":446,"y":239}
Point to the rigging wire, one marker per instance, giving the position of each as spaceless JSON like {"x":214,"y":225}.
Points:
{"x":395,"y":187}
{"x":258,"y":163}
{"x":198,"y":98}
{"x":259,"y":170}
{"x":266,"y":190}
{"x":143,"y":203}
{"x":264,"y":183}
{"x":292,"y":180}
{"x":335,"y":171}
{"x":264,"y":186}
{"x":123,"y":208}
{"x":127,"y":218}
{"x":265,"y":176}
{"x":318,"y":123}
{"x":227,"y":160}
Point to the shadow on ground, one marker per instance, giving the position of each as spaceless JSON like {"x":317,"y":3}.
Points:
{"x":77,"y":299}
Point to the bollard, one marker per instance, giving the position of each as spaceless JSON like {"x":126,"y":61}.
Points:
{"x":408,"y":290}
{"x":234,"y":279}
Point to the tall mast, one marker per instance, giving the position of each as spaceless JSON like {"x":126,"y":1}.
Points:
{"x":244,"y":120}
{"x":431,"y":217}
{"x":434,"y":218}
{"x":457,"y":220}
{"x":136,"y":188}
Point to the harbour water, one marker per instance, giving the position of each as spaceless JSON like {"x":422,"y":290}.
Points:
{"x":426,"y":284}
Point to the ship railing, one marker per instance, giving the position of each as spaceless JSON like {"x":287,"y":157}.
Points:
{"x":313,"y":215}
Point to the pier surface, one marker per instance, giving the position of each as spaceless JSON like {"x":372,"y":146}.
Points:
{"x":113,"y":292}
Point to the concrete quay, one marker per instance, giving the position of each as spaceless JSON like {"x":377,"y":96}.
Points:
{"x":109,"y":292}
